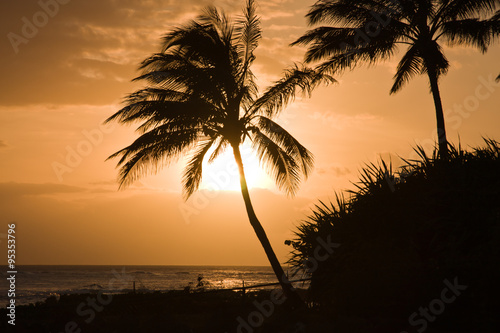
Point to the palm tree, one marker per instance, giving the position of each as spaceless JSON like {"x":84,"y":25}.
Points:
{"x":370,"y":31}
{"x":202,"y":95}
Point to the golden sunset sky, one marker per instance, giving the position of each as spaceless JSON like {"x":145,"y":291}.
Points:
{"x":64,"y":71}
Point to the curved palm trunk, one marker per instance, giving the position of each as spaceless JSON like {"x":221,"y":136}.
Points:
{"x":441,"y":131}
{"x":261,"y":234}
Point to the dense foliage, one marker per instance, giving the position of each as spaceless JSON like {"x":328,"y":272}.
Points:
{"x":401,"y":234}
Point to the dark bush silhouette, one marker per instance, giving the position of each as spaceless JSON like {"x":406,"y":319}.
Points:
{"x":402,"y":234}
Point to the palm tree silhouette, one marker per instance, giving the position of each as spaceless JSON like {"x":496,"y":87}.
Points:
{"x":370,"y":31}
{"x":201,"y":95}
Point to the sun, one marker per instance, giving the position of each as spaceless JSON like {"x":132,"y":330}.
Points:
{"x":222,"y":174}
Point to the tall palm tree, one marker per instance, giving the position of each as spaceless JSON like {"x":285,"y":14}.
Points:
{"x":201,"y":94}
{"x":371,"y":30}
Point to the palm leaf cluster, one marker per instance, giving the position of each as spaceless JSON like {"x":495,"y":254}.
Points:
{"x":367,"y":31}
{"x":201,"y":97}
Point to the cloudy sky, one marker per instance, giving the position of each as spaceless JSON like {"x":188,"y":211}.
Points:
{"x":66,"y":67}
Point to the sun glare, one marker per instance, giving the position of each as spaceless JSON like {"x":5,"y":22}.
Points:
{"x":223,"y":173}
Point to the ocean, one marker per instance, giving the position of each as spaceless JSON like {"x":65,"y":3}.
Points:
{"x":36,"y":283}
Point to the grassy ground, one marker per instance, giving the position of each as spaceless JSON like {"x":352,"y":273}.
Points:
{"x":174,"y":312}
{"x":181,"y":312}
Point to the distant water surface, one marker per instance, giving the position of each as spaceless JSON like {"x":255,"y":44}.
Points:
{"x":36,"y":283}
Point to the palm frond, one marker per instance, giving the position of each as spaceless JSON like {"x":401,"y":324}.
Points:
{"x":192,"y":176}
{"x":175,"y":72}
{"x":288,"y":143}
{"x":140,"y":99}
{"x":352,"y":13}
{"x":276,"y":97}
{"x":344,"y":48}
{"x":151,"y":152}
{"x":211,"y":16}
{"x":247,"y":36}
{"x":162,"y":112}
{"x":248,"y":33}
{"x":181,"y":38}
{"x":326,"y":41}
{"x":474,"y":32}
{"x":221,"y":147}
{"x":409,"y":66}
{"x":320,"y":33}
{"x":208,"y":61}
{"x":464,"y":9}
{"x":352,"y":56}
{"x":278,"y":164}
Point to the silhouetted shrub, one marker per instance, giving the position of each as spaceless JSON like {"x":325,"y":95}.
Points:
{"x":401,"y":234}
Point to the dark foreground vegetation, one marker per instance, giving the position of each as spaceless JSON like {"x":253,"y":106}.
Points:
{"x":419,"y":247}
{"x":169,"y":312}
